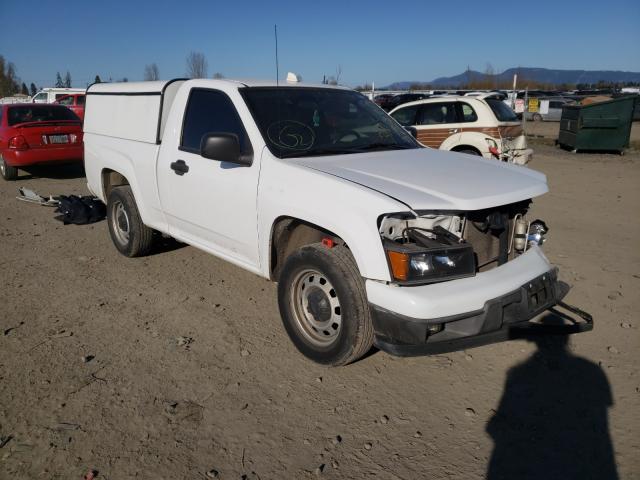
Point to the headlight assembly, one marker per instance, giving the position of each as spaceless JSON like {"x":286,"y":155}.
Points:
{"x":411,"y":264}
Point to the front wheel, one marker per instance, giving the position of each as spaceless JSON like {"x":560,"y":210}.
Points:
{"x":7,"y":171}
{"x":537,"y":117}
{"x":131,"y":237}
{"x":323,"y":305}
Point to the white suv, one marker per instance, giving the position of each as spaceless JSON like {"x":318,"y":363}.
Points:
{"x":471,"y":125}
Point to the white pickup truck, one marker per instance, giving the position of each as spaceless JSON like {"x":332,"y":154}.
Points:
{"x":372,"y":238}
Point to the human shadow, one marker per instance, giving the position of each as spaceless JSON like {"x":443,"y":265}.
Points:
{"x":552,"y":419}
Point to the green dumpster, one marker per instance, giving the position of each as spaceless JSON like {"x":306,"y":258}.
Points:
{"x":603,"y":126}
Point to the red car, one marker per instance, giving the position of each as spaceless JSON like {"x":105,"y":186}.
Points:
{"x":35,"y":133}
{"x":74,"y":102}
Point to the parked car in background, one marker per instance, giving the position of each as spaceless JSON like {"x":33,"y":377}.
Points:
{"x":486,"y":127}
{"x":403,"y":98}
{"x":34,"y":134}
{"x":383,"y":99}
{"x":74,"y":102}
{"x":50,"y":95}
{"x":549,"y":109}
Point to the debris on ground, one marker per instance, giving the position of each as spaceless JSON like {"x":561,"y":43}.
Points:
{"x":4,"y":440}
{"x":27,"y":195}
{"x":80,"y":210}
{"x":184,"y":341}
{"x":91,"y":474}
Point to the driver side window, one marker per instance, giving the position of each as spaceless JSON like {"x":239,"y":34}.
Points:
{"x":210,"y":111}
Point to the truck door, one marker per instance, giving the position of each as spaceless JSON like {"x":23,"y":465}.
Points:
{"x":208,"y":203}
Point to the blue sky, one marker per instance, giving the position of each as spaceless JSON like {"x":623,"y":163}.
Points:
{"x":372,"y":41}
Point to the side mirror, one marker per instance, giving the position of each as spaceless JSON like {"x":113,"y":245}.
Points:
{"x":223,"y":147}
{"x":413,"y":131}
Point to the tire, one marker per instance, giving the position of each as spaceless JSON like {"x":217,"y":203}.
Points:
{"x":131,"y":237}
{"x":469,"y":152}
{"x":7,"y":171}
{"x":323,"y":305}
{"x":537,"y":117}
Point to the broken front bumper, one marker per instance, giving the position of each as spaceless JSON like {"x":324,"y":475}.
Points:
{"x":453,"y":315}
{"x":519,"y":157}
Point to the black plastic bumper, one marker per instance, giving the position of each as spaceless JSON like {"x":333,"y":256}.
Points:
{"x":503,"y":318}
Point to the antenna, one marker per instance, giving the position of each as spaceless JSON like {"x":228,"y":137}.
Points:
{"x":275,"y":31}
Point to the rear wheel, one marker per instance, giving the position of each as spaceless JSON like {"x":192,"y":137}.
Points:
{"x":7,"y":171}
{"x":323,"y":305}
{"x":537,"y":117}
{"x":131,"y":237}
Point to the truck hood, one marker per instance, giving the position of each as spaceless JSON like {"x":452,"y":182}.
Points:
{"x":427,"y":179}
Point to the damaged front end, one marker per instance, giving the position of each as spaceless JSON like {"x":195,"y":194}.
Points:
{"x":479,"y":240}
{"x":488,"y":260}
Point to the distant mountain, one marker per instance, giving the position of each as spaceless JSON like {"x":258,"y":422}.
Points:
{"x":542,"y":75}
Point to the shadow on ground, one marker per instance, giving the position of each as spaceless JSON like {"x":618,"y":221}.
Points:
{"x":552,"y":419}
{"x":164,"y":244}
{"x":56,"y":172}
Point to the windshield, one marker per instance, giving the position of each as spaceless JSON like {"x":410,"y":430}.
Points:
{"x":303,"y":122}
{"x":39,"y":113}
{"x":501,"y":110}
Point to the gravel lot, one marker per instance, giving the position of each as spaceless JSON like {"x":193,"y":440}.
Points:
{"x":176,"y":365}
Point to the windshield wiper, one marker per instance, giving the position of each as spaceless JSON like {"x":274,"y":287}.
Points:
{"x":382,"y":146}
{"x":318,"y":152}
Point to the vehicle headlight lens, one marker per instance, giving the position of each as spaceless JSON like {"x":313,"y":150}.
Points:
{"x":431,"y":265}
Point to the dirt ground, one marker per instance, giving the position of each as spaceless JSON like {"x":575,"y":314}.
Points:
{"x":176,"y":365}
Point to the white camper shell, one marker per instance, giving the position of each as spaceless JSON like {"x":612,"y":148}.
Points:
{"x":132,"y":104}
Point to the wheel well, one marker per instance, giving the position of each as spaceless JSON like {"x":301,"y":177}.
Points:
{"x":459,"y":148}
{"x":288,"y":234}
{"x":110,"y":180}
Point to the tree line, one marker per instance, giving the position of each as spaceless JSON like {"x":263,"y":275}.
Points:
{"x":196,"y":66}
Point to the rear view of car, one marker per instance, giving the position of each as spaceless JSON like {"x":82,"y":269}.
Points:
{"x":33,"y":134}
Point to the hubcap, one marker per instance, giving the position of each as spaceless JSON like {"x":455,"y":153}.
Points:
{"x":316,"y":308}
{"x":120,"y":223}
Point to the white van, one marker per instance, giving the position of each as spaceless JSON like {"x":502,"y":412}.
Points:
{"x":50,"y":95}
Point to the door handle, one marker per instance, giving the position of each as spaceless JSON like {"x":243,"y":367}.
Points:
{"x":453,"y":130}
{"x":180,"y":167}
